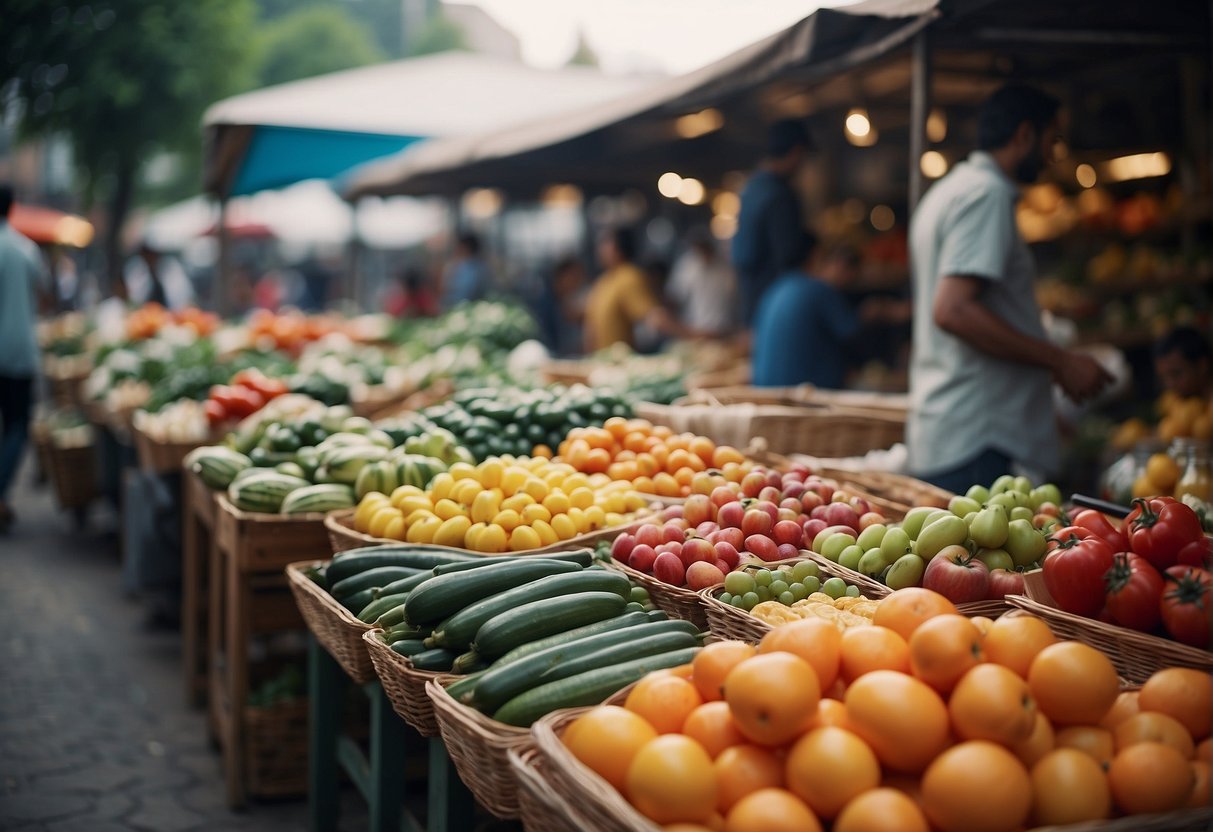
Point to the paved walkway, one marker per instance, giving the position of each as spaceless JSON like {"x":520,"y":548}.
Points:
{"x":94,"y":732}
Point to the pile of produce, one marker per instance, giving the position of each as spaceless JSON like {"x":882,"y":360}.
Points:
{"x":148,"y":320}
{"x":794,"y":591}
{"x":923,"y":720}
{"x":539,"y":633}
{"x":767,"y":516}
{"x":504,"y":504}
{"x":1179,"y":418}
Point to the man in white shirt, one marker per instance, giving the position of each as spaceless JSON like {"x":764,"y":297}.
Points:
{"x":704,"y":289}
{"x":981,"y":367}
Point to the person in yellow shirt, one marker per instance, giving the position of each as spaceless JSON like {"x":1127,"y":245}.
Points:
{"x":622,"y":297}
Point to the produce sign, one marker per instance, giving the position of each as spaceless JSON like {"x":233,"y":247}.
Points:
{"x":504,"y":504}
{"x":540,"y":633}
{"x":932,"y":721}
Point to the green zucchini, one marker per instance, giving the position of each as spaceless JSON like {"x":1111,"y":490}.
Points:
{"x":462,"y":688}
{"x":381,"y":605}
{"x":581,"y":557}
{"x":634,"y":606}
{"x":359,"y":600}
{"x":403,"y":631}
{"x":637,"y":648}
{"x":467,"y":662}
{"x":434,"y":659}
{"x":657,"y":615}
{"x":445,"y":595}
{"x":391,"y":618}
{"x":502,"y":633}
{"x":589,"y":688}
{"x":354,"y":561}
{"x":630,"y":619}
{"x":458,"y":630}
{"x":408,"y":646}
{"x":502,"y":682}
{"x":374,"y":578}
{"x":405,"y":585}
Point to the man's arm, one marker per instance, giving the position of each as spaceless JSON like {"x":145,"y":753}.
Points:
{"x":959,"y":311}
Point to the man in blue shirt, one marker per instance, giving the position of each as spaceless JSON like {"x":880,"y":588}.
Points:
{"x":770,"y":224}
{"x":468,"y":277}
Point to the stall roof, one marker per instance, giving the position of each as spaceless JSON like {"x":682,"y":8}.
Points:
{"x":320,"y":127}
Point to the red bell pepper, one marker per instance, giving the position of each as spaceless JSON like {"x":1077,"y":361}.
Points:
{"x":1159,"y":528}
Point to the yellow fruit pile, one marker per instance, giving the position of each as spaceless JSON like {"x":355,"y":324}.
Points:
{"x":504,"y":504}
{"x":841,"y":612}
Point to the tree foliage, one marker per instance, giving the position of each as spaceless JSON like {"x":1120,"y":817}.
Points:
{"x":439,"y":34}
{"x":312,"y":41}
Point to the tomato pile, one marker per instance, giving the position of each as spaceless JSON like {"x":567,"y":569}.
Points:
{"x":924,"y":720}
{"x":1151,"y":574}
{"x":247,"y":393}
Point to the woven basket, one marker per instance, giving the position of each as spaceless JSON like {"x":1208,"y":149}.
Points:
{"x":334,"y":626}
{"x":896,"y":490}
{"x":540,"y":807}
{"x":276,"y":749}
{"x":73,"y":472}
{"x":479,"y":748}
{"x":805,"y":394}
{"x":677,"y":601}
{"x":403,"y":684}
{"x":1136,"y":655}
{"x":163,"y":457}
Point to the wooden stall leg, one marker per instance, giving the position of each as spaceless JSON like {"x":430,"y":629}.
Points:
{"x":195,"y":553}
{"x":388,"y":738}
{"x":324,"y":709}
{"x":215,"y":617}
{"x":236,"y":671}
{"x":451,"y":806}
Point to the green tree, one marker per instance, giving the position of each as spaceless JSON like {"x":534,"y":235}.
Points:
{"x":122,"y":79}
{"x":439,"y":34}
{"x":312,"y":41}
{"x":382,"y":18}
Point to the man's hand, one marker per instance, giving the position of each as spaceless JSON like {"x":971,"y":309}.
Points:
{"x":1081,"y":376}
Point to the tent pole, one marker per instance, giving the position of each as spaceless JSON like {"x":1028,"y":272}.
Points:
{"x":354,"y":257}
{"x":221,"y":290}
{"x":920,"y":106}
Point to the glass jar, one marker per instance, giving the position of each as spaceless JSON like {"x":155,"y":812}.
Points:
{"x":1197,"y":477}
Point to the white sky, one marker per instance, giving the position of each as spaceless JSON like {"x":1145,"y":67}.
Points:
{"x":673,"y":36}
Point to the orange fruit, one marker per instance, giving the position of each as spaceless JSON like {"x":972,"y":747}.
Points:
{"x":1069,"y":787}
{"x":606,"y":740}
{"x":1125,"y":706}
{"x":881,"y":810}
{"x":705,"y":449}
{"x":831,"y":713}
{"x":977,"y":787}
{"x":685,"y":827}
{"x":902,"y":719}
{"x":617,"y":426}
{"x":1204,"y":751}
{"x":1182,"y":693}
{"x":1073,"y":684}
{"x":944,"y":648}
{"x":773,"y":697}
{"x":665,"y":701}
{"x":1097,"y":742}
{"x":713,"y":663}
{"x":711,"y":725}
{"x":724,"y":454}
{"x":671,"y":780}
{"x":1039,"y":743}
{"x":815,"y":640}
{"x":744,"y":769}
{"x":992,"y":703}
{"x":1149,"y":726}
{"x":1150,"y":777}
{"x":827,"y":767}
{"x":1200,"y":797}
{"x":864,"y":649}
{"x":906,"y":609}
{"x":771,"y":810}
{"x":982,"y":624}
{"x":1014,"y":640}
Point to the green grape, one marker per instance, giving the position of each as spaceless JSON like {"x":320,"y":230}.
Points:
{"x":726,"y":598}
{"x":853,"y":591}
{"x":749,"y":601}
{"x":799,"y":591}
{"x":834,"y":587}
{"x":787,"y":599}
{"x":763,"y":577}
{"x":811,"y":584}
{"x":763,"y":593}
{"x":805,"y":569}
{"x":739,"y":583}
{"x":779,"y":587}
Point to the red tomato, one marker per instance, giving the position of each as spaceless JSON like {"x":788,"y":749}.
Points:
{"x":254,"y":379}
{"x":1159,"y":528}
{"x":243,"y":401}
{"x":1187,"y":605}
{"x":1074,"y":568}
{"x":1098,"y":522}
{"x":215,"y":412}
{"x":1134,"y":590}
{"x":1197,"y":553}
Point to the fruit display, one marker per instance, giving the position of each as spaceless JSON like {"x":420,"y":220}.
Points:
{"x":793,"y":591}
{"x":652,"y":457}
{"x":181,"y":422}
{"x":538,"y":633}
{"x":766,"y":516}
{"x":922,"y":720}
{"x":503,"y":504}
{"x":148,"y":320}
{"x":974,"y":550}
{"x":1179,"y":418}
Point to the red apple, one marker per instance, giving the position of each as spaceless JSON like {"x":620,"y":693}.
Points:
{"x":732,"y":536}
{"x":706,"y":528}
{"x":787,"y":515}
{"x":810,"y":500}
{"x":787,"y":531}
{"x":642,"y":558}
{"x":770,"y":494}
{"x":697,"y":509}
{"x":841,"y":514}
{"x":769,"y":507}
{"x":958,"y":576}
{"x":774,"y":479}
{"x":752,"y":483}
{"x":791,"y":504}
{"x":787,"y":550}
{"x":672,"y":532}
{"x":762,"y":546}
{"x":793,"y":490}
{"x":870,"y":518}
{"x":728,"y":553}
{"x":672,"y":512}
{"x":621,"y":548}
{"x":812,"y":528}
{"x":701,"y":575}
{"x":821,"y":488}
{"x":673,"y":547}
{"x":724,"y":566}
{"x":722,"y":494}
{"x":756,"y":521}
{"x":730,"y":515}
{"x":1003,"y":583}
{"x":819,"y":512}
{"x":801,"y":470}
{"x":649,"y":535}
{"x":697,"y":549}
{"x":668,"y":567}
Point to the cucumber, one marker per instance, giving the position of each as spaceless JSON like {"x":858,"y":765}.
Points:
{"x":458,"y":630}
{"x":404,"y":631}
{"x":464,"y":686}
{"x":434,"y":659}
{"x":379,"y":576}
{"x":444,"y":595}
{"x":634,"y":606}
{"x":589,"y":688}
{"x":637,"y":648}
{"x":582,"y":557}
{"x":391,"y":618}
{"x":404,"y":585}
{"x":359,"y":600}
{"x":368,"y":557}
{"x":409,"y":646}
{"x":630,"y":619}
{"x":381,"y":605}
{"x":502,"y":633}
{"x":657,"y":615}
{"x":502,"y":682}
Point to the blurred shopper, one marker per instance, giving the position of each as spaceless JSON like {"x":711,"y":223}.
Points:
{"x":981,"y":366}
{"x":468,"y":277}
{"x":769,"y":225}
{"x":622,"y":297}
{"x":703,"y":288}
{"x":560,"y":307}
{"x":21,"y":271}
{"x":410,"y":297}
{"x":1183,"y":360}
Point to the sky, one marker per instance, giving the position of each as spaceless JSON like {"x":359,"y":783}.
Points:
{"x":672,"y":36}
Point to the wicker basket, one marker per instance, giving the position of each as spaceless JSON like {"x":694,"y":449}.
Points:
{"x":540,"y":807}
{"x":276,"y":749}
{"x":73,"y":472}
{"x":163,"y":457}
{"x":805,"y":394}
{"x":479,"y":748}
{"x":334,"y":626}
{"x":1136,"y":655}
{"x":404,"y":684}
{"x":896,"y":490}
{"x":677,"y":601}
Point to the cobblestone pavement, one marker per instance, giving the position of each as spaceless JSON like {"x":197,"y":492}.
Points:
{"x":95,"y":735}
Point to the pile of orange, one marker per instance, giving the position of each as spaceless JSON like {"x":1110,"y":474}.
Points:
{"x":927,"y":720}
{"x":652,"y":457}
{"x":289,"y":330}
{"x":149,"y":319}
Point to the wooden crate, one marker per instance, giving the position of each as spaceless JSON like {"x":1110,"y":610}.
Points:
{"x":199,"y":508}
{"x":162,"y":457}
